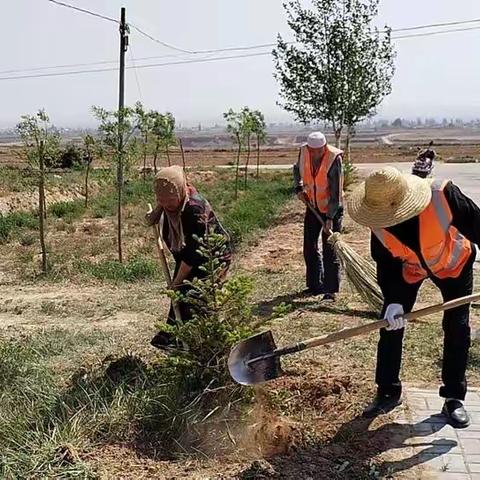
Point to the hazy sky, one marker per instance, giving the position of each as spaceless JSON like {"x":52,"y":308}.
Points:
{"x":436,"y":76}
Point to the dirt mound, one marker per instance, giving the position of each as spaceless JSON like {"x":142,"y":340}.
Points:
{"x":29,"y":200}
{"x":279,"y":249}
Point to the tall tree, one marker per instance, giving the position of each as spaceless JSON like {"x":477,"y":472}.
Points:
{"x":109,"y":130}
{"x":41,"y":148}
{"x":340,"y":68}
{"x":260,"y":132}
{"x":235,"y":129}
{"x":91,"y":150}
{"x":163,"y":133}
{"x":247,"y":130}
{"x":145,"y":122}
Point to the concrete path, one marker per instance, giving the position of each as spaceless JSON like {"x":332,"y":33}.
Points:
{"x":465,"y":175}
{"x":435,"y":450}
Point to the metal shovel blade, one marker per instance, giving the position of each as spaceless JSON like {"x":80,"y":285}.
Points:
{"x":245,"y":372}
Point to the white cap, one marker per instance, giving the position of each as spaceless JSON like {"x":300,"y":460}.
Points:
{"x":316,"y":140}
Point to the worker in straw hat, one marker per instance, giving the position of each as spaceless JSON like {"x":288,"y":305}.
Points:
{"x":318,"y":180}
{"x":421,"y":228}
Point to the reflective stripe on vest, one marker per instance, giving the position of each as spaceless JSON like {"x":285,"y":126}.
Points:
{"x":444,"y":249}
{"x":316,"y":186}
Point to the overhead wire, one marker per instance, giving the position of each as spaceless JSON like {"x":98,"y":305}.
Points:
{"x":197,"y":52}
{"x":435,"y":25}
{"x":130,"y":51}
{"x":83,"y":10}
{"x":439,"y":32}
{"x":99,"y":70}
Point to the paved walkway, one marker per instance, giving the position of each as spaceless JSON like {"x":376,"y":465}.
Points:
{"x":435,"y":450}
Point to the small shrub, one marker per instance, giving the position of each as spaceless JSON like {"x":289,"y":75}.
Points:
{"x":71,"y":157}
{"x":27,"y":240}
{"x":67,"y":210}
{"x":14,"y":221}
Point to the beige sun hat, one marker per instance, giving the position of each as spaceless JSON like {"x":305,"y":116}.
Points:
{"x":388,"y":197}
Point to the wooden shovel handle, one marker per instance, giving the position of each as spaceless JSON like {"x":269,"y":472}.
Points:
{"x":370,"y":327}
{"x":164,"y":264}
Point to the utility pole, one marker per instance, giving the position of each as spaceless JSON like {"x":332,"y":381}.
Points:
{"x":121,"y":105}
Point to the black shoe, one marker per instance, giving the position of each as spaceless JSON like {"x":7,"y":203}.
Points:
{"x":329,"y":298}
{"x":382,"y":404}
{"x":166,"y":341}
{"x":456,"y":414}
{"x":313,"y":292}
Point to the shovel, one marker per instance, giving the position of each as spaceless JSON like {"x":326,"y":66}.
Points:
{"x":257,"y":359}
{"x":164,"y":264}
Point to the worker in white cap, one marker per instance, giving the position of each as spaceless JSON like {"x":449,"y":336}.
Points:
{"x":318,"y":180}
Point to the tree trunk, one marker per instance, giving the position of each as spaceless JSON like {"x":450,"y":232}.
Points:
{"x":86,"y":184}
{"x":168,"y":156}
{"x":238,"y":167}
{"x":347,"y":145}
{"x":155,"y":156}
{"x":338,"y":136}
{"x":44,"y":207}
{"x":41,"y":210}
{"x":258,"y":157}
{"x":145,"y":158}
{"x":247,"y":162}
{"x":183,"y":154}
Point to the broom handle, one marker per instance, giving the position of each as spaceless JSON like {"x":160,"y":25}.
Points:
{"x":317,"y":215}
{"x":370,"y":327}
{"x":164,"y":264}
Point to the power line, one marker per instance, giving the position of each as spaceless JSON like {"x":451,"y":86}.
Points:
{"x":139,"y":30}
{"x":161,"y":42}
{"x":186,"y":61}
{"x":88,"y":12}
{"x":100,"y":70}
{"x":68,"y":65}
{"x":439,"y":32}
{"x":136,"y":74}
{"x":434,"y":25}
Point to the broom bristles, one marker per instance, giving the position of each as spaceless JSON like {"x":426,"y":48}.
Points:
{"x":361,"y":274}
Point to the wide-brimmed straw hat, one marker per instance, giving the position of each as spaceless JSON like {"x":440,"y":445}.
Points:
{"x":388,"y":197}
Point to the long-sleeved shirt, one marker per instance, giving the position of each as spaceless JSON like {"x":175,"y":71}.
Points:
{"x":465,"y":218}
{"x":334,"y":184}
{"x":195,"y":217}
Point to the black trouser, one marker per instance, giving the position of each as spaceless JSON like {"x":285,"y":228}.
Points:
{"x":322,"y":270}
{"x":186,"y":310}
{"x":455,"y":345}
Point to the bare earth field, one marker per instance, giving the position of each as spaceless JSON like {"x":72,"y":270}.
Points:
{"x":369,"y":152}
{"x":303,"y":426}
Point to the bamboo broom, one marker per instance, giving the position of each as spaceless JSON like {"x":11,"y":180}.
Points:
{"x":360,"y":272}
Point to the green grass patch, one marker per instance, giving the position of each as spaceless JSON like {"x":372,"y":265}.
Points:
{"x":68,"y":210}
{"x":138,"y":268}
{"x":13,"y":223}
{"x":37,"y":429}
{"x":255,"y":207}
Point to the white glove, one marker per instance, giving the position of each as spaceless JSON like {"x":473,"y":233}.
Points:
{"x":392,"y":311}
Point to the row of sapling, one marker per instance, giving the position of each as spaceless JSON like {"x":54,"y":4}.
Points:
{"x":242,"y":126}
{"x":157,"y":134}
{"x":141,"y":132}
{"x":340,"y":67}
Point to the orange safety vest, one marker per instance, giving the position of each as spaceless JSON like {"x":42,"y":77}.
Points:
{"x":444,"y":249}
{"x":316,"y":184}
